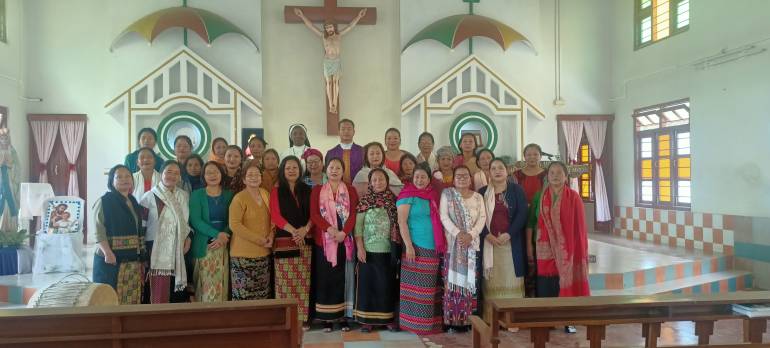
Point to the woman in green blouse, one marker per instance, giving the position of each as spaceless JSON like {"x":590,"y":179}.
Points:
{"x":209,"y":218}
{"x":376,"y":233}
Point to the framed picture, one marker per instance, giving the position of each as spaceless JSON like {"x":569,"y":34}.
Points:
{"x":247,"y":134}
{"x":63,"y":216}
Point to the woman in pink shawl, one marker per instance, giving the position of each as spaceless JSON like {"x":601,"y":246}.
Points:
{"x":333,"y":212}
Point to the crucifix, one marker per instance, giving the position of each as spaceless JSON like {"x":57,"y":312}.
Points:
{"x":331,"y":15}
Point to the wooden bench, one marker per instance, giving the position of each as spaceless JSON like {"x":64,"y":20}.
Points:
{"x":266,"y":323}
{"x":541,"y":314}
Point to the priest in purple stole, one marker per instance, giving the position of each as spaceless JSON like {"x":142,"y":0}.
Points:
{"x":350,"y":153}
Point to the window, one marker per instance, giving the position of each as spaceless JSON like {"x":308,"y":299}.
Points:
{"x":663,"y":164}
{"x":584,"y":180}
{"x":658,"y":19}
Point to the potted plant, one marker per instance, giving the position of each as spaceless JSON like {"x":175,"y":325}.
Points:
{"x":13,"y":239}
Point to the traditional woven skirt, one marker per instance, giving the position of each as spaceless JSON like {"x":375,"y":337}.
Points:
{"x":130,"y":282}
{"x":375,"y":299}
{"x":502,"y":282}
{"x":458,"y":304}
{"x":211,"y":275}
{"x":125,"y":278}
{"x":250,"y":278}
{"x":292,"y":279}
{"x":160,"y":288}
{"x":420,"y":296}
{"x":330,"y":285}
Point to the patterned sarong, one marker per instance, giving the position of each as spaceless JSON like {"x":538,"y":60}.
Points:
{"x":420,"y":296}
{"x":130,"y":283}
{"x":292,"y":279}
{"x":250,"y":278}
{"x":211,"y":276}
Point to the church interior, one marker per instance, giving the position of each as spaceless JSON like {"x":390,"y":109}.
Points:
{"x":637,"y":101}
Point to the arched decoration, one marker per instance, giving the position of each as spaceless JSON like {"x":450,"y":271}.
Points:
{"x":470,"y":82}
{"x":208,"y":25}
{"x":184,"y":123}
{"x":186,"y":82}
{"x":456,"y":130}
{"x":453,"y":30}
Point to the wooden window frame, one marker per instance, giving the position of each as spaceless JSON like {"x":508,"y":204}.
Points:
{"x":672,"y":131}
{"x":640,"y":14}
{"x":591,"y":195}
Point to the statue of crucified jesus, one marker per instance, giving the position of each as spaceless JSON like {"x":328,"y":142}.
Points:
{"x":332,"y":41}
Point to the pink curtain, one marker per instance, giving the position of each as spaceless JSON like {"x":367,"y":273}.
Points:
{"x":44,"y":133}
{"x":72,"y":137}
{"x":596,"y":132}
{"x":573,"y":132}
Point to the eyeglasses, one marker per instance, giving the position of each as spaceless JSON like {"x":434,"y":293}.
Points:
{"x":463,"y":176}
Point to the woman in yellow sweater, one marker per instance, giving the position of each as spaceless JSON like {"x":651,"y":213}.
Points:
{"x":252,"y":239}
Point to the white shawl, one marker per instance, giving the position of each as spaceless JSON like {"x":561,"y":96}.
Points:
{"x":167,"y":256}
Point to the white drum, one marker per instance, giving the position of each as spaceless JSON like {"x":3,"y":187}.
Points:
{"x":74,"y":294}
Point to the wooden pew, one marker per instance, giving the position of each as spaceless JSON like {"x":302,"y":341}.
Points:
{"x":266,"y":323}
{"x":541,"y":314}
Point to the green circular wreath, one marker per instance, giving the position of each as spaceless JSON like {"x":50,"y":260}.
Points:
{"x":168,"y":127}
{"x":460,"y":121}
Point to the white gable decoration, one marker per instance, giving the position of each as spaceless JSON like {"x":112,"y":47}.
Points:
{"x":470,"y":81}
{"x":185,"y":79}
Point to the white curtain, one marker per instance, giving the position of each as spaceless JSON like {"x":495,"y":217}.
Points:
{"x":596,"y":132}
{"x":573,"y":132}
{"x":44,"y":133}
{"x":72,"y":137}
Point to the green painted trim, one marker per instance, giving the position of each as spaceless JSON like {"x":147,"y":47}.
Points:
{"x":460,"y":121}
{"x":201,"y":148}
{"x":640,"y":14}
{"x":442,"y":31}
{"x":753,"y":251}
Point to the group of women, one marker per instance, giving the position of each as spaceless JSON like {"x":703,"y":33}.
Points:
{"x":408,"y":242}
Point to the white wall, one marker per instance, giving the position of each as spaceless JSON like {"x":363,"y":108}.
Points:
{"x":11,"y":84}
{"x":69,"y":65}
{"x":730,"y":126}
{"x":585,"y":56}
{"x":293,"y":75}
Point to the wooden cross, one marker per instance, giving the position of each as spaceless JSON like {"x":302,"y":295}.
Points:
{"x":330,"y":13}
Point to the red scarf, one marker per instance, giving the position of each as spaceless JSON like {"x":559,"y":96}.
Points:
{"x":432,"y":197}
{"x":565,"y":225}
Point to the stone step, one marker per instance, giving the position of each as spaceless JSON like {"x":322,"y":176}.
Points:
{"x":714,"y":282}
{"x":654,"y":275}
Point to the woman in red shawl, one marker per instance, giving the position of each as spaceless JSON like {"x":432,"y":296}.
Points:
{"x":562,"y":245}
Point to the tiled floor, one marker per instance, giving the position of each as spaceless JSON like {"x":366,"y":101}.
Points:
{"x":356,"y":339}
{"x":677,"y":333}
{"x":614,"y":255}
